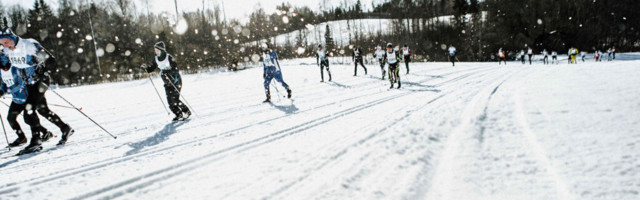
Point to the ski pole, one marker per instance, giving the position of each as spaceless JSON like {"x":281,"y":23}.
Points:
{"x":180,"y":93}
{"x":158,"y":93}
{"x":277,"y":91}
{"x":63,"y":106}
{"x":5,"y":132}
{"x":96,"y":123}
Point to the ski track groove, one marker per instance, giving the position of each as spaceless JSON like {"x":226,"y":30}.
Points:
{"x":112,"y":161}
{"x":239,"y":148}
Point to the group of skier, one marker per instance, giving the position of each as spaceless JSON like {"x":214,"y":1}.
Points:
{"x":572,"y":54}
{"x":25,"y":68}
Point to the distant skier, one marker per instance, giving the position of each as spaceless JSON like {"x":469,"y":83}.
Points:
{"x":12,"y":80}
{"x":392,"y":57}
{"x":613,"y":50}
{"x":609,"y":53}
{"x":379,"y":54}
{"x":452,"y":55}
{"x":29,"y":55}
{"x":573,"y":53}
{"x":545,"y":53}
{"x":522,"y":56}
{"x":406,"y":53}
{"x":554,"y":57}
{"x":171,"y":78}
{"x":596,"y":55}
{"x":530,"y":54}
{"x":356,"y":57}
{"x":582,"y":55}
{"x":502,"y":57}
{"x":322,"y":61}
{"x":271,"y":70}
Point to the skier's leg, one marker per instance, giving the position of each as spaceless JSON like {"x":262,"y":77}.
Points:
{"x":328,"y":71}
{"x":365,"y":68}
{"x":43,"y":109}
{"x":278,"y":77}
{"x":321,"y":72}
{"x":355,"y":68}
{"x":14,"y":110}
{"x":173,"y":99}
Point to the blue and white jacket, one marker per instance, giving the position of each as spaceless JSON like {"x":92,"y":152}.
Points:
{"x":11,"y":81}
{"x":269,"y":60}
{"x":26,"y":55}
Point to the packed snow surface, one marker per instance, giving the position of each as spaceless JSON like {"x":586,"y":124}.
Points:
{"x":473,"y":131}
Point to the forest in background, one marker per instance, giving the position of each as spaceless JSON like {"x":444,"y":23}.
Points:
{"x":107,"y":41}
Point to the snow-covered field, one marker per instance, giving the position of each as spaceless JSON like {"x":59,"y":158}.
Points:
{"x":474,"y":131}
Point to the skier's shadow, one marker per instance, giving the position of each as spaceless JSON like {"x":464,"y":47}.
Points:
{"x":158,"y":138}
{"x":338,"y":85}
{"x":286,"y":109}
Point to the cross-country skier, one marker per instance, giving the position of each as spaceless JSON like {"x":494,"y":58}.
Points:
{"x":29,"y":55}
{"x":596,"y":55}
{"x":582,"y":55}
{"x":545,"y":53}
{"x":379,"y":54}
{"x":502,"y":56}
{"x":406,"y":54}
{"x":171,"y":78}
{"x":609,"y":52}
{"x":12,"y":81}
{"x":573,"y":53}
{"x":356,"y":57}
{"x":452,"y":55}
{"x":392,"y":57}
{"x":530,"y":54}
{"x":613,"y":50}
{"x":271,"y":70}
{"x":554,"y":57}
{"x":322,"y":61}
{"x":522,"y":56}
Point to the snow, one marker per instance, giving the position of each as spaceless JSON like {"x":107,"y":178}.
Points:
{"x":474,"y":131}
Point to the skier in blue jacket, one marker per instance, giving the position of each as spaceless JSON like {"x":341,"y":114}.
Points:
{"x":271,"y":70}
{"x":12,"y":82}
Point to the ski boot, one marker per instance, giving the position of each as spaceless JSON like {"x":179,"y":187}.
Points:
{"x":289,"y":93}
{"x":178,"y":117}
{"x":19,"y":141}
{"x":398,"y":84}
{"x":186,"y":115}
{"x":268,"y":100}
{"x":34,"y":146}
{"x":46,"y":136}
{"x":66,"y":132}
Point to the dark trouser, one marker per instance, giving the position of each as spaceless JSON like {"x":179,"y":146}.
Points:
{"x":29,"y":115}
{"x":394,"y":73}
{"x":324,"y":64}
{"x":546,"y":60}
{"x":554,"y":59}
{"x":522,"y":59}
{"x":407,"y":59}
{"x":36,"y":93}
{"x":452,"y":58}
{"x":502,"y":59}
{"x":530,"y":58}
{"x":382,"y":68}
{"x":355,"y":69}
{"x":172,"y":89}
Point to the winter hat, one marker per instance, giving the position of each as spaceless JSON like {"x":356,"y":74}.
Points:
{"x":7,"y":33}
{"x":160,"y":46}
{"x":389,"y":45}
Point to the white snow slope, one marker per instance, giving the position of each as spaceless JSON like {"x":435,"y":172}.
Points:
{"x":474,"y":131}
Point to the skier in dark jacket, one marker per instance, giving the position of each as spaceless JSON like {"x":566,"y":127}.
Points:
{"x":323,"y":61}
{"x":29,"y":55}
{"x":12,"y":81}
{"x":171,"y":78}
{"x":356,"y":57}
{"x":392,"y":57}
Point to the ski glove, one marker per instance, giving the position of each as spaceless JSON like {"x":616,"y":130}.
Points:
{"x":40,"y":68}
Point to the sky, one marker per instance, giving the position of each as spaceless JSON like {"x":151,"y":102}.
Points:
{"x":235,"y":9}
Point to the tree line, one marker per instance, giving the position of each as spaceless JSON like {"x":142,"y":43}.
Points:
{"x":107,"y":41}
